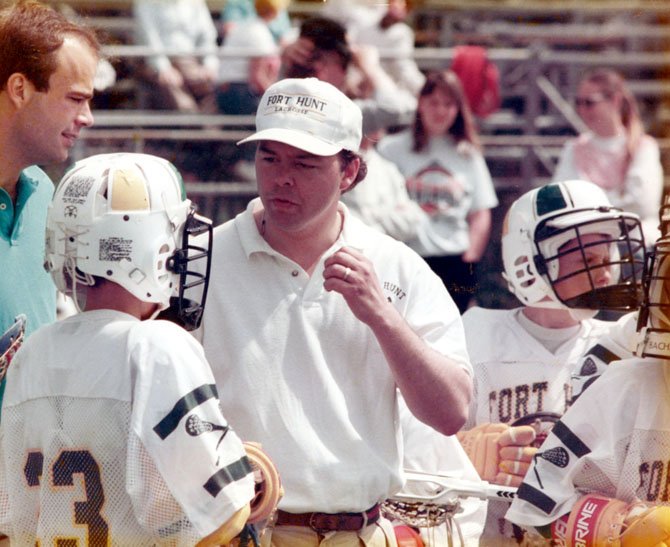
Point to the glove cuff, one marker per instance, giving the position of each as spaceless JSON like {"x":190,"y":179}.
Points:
{"x":595,"y":521}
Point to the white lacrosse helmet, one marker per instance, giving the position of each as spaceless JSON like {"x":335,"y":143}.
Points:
{"x":124,"y":217}
{"x":543,"y":220}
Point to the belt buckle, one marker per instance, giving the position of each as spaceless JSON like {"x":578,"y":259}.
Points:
{"x":322,"y":523}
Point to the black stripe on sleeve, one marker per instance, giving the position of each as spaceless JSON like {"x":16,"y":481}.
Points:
{"x":602,"y":353}
{"x":231,"y":473}
{"x":571,"y":441}
{"x":533,"y":496}
{"x":183,"y":406}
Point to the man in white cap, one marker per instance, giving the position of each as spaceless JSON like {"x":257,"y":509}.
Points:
{"x":314,"y":319}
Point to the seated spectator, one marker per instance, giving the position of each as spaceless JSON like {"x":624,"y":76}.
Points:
{"x":615,"y":152}
{"x":446,"y":174}
{"x":323,"y":51}
{"x":244,"y":79}
{"x":235,"y":11}
{"x":394,"y":38}
{"x":183,"y":82}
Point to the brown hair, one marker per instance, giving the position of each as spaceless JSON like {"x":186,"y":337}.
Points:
{"x":346,"y":157}
{"x":30,"y":35}
{"x":463,"y":129}
{"x":612,"y":83}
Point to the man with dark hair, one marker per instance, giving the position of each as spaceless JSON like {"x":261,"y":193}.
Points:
{"x":44,"y":104}
{"x":315,"y":321}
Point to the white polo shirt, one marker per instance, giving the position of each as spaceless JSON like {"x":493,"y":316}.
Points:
{"x":298,"y":372}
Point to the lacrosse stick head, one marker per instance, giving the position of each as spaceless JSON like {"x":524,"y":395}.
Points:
{"x":10,"y":342}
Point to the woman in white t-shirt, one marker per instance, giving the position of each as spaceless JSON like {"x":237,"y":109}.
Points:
{"x":615,"y":152}
{"x":445,"y":172}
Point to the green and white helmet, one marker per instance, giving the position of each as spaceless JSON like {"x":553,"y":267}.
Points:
{"x":540,"y":223}
{"x":124,"y":217}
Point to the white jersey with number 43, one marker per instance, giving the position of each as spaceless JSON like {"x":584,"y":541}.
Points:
{"x":111,"y":434}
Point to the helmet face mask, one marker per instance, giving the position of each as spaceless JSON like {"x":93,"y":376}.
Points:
{"x":120,"y":217}
{"x":565,"y":247}
{"x":654,"y":316}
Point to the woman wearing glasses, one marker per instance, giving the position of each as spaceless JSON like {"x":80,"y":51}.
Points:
{"x":615,"y":152}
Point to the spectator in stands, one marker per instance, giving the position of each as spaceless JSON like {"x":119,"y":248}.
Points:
{"x":243,"y":80}
{"x":382,"y":201}
{"x":615,"y":152}
{"x":44,"y":104}
{"x":446,"y":173}
{"x":184,"y":81}
{"x":386,"y":30}
{"x":235,"y":11}
{"x":323,"y":51}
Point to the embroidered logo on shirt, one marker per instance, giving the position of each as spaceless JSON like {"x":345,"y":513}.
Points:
{"x":393,"y":291}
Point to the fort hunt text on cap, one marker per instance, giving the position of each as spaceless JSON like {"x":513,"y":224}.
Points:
{"x":308,"y":114}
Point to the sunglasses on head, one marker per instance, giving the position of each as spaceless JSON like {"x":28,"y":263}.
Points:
{"x":590,"y":101}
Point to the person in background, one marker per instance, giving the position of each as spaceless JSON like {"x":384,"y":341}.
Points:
{"x":615,"y":152}
{"x":389,"y":33}
{"x":235,"y":11}
{"x":567,"y":253}
{"x":382,"y":201}
{"x":342,"y":318}
{"x":243,"y":80}
{"x":445,"y":173}
{"x":44,"y":104}
{"x":324,"y":51}
{"x":182,"y":79}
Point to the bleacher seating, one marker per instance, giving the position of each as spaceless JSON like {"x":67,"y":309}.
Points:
{"x":540,"y":47}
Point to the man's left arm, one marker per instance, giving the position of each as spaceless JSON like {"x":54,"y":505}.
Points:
{"x":437,"y":389}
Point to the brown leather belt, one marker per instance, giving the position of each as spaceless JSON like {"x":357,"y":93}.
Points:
{"x":330,"y":522}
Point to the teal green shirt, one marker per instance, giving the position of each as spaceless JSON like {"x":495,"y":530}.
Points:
{"x":25,"y":287}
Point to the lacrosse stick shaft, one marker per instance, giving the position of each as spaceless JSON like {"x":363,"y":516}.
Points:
{"x":438,"y":489}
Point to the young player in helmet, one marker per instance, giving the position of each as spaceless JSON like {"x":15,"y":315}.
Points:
{"x":601,"y":476}
{"x":112,"y":432}
{"x":567,"y":253}
{"x":620,"y":340}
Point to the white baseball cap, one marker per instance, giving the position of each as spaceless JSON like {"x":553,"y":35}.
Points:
{"x":309,"y":114}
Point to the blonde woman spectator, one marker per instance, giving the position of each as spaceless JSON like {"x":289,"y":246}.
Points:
{"x":615,"y":152}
